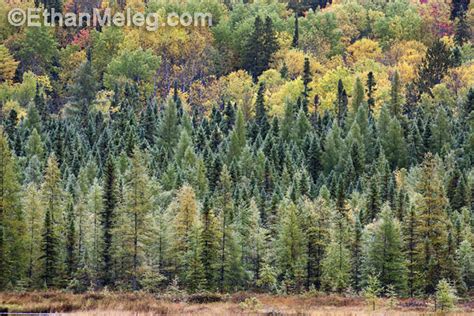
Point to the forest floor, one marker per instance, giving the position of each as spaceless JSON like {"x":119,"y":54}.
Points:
{"x":112,"y":303}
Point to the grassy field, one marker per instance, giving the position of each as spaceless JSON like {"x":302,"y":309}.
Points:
{"x":112,"y":303}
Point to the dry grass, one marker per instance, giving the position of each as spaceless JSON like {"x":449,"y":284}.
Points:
{"x":114,"y":303}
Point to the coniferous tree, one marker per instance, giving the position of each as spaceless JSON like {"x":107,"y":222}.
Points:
{"x":307,"y":78}
{"x":229,"y":255}
{"x":137,"y":231}
{"x":410,"y":251}
{"x":210,"y":246}
{"x":370,"y":91}
{"x":71,"y":255}
{"x":296,"y":33}
{"x":384,"y":252}
{"x":341,"y":103}
{"x":462,"y":31}
{"x":465,"y":258}
{"x":357,"y":256}
{"x":433,"y":67}
{"x":186,"y":237}
{"x":291,"y":248}
{"x":33,"y":217}
{"x":432,"y":227}
{"x":395,"y":99}
{"x":107,"y":220}
{"x":259,"y":47}
{"x":52,"y":195}
{"x":358,"y":95}
{"x":261,"y":118}
{"x":12,"y":256}
{"x":336,"y":262}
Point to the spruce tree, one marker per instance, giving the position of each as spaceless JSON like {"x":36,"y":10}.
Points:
{"x":307,"y":78}
{"x":12,"y":254}
{"x":230,"y":269}
{"x":432,"y":226}
{"x":53,"y":228}
{"x":341,"y":103}
{"x":433,"y":67}
{"x":137,"y":201}
{"x":210,"y":246}
{"x":296,"y":33}
{"x":107,"y":219}
{"x":384,"y":255}
{"x":395,"y":99}
{"x":71,"y":243}
{"x":261,"y":118}
{"x":358,"y":96}
{"x":291,"y":246}
{"x":370,"y":91}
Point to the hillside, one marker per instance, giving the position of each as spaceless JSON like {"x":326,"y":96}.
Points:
{"x":286,"y":149}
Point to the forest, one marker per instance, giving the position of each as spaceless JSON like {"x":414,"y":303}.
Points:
{"x":291,"y":147}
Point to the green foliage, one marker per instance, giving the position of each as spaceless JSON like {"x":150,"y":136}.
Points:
{"x":348,"y":166}
{"x":135,"y":66}
{"x":445,"y":296}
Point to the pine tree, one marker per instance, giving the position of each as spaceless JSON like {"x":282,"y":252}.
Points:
{"x":445,"y":296}
{"x":433,"y":67}
{"x":107,"y":220}
{"x":410,"y":242}
{"x":463,"y":30}
{"x":357,"y":256}
{"x":210,"y":246}
{"x":341,"y":103}
{"x":358,"y":95}
{"x":372,"y":290}
{"x":291,"y":246}
{"x":431,"y":228}
{"x":465,"y":259}
{"x":296,"y":33}
{"x":259,"y":47}
{"x":185,"y":224}
{"x":168,"y":129}
{"x":237,"y":138}
{"x":95,"y":208}
{"x":336,"y":262}
{"x":370,"y":91}
{"x":71,"y":255}
{"x":195,"y":277}
{"x":229,"y":256}
{"x":12,"y":252}
{"x":261,"y":118}
{"x":137,"y":210}
{"x":458,"y":8}
{"x":395,"y":99}
{"x":33,"y":216}
{"x":384,"y":252}
{"x":40,"y":103}
{"x":307,"y":78}
{"x":52,"y":196}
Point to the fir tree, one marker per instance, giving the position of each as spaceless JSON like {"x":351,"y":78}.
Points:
{"x":296,"y":33}
{"x":52,"y":195}
{"x":433,"y":67}
{"x":261,"y":118}
{"x":395,"y":99}
{"x":307,"y":78}
{"x":384,"y":252}
{"x":107,"y":219}
{"x":431,"y":228}
{"x":291,"y":249}
{"x":12,"y":254}
{"x":370,"y":91}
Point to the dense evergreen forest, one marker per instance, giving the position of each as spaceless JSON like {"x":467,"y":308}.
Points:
{"x":288,"y":147}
